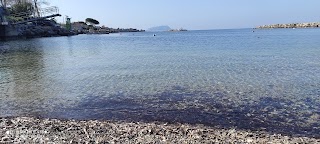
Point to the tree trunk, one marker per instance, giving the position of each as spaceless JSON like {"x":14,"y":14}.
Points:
{"x":4,"y":3}
{"x":36,"y":8}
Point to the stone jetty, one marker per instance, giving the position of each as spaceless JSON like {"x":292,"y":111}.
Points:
{"x":292,"y":25}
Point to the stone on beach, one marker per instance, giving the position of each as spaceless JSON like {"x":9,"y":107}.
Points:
{"x":32,"y":130}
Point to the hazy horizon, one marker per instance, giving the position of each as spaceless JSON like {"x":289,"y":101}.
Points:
{"x":203,"y":15}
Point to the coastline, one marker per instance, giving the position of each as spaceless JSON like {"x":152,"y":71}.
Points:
{"x":34,"y":130}
{"x":14,"y":32}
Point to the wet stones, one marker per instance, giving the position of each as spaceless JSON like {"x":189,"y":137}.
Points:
{"x":31,"y":130}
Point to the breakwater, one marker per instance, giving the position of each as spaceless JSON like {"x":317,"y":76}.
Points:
{"x":292,"y":25}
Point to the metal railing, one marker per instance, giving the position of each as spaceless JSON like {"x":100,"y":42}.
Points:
{"x":22,"y":14}
{"x":49,"y":11}
{"x":33,"y":15}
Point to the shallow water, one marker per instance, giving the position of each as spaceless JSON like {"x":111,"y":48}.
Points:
{"x":267,"y":79}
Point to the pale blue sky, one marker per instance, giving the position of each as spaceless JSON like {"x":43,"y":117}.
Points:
{"x":190,"y":14}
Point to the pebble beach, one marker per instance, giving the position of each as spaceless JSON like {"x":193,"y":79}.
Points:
{"x":34,"y":130}
{"x":218,"y":86}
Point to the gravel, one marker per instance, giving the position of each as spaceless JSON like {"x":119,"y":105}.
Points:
{"x":33,"y":130}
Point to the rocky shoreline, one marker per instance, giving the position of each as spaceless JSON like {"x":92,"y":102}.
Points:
{"x":291,"y":25}
{"x":44,"y":28}
{"x":33,"y":130}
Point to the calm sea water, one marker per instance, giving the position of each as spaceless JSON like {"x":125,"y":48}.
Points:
{"x":266,"y":79}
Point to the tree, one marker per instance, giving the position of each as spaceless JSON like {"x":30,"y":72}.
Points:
{"x":7,"y":3}
{"x":35,"y":2}
{"x":22,"y":7}
{"x":37,"y":5}
{"x":92,"y":21}
{"x":3,"y":3}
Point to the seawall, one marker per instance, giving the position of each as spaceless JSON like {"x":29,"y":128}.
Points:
{"x":292,"y":25}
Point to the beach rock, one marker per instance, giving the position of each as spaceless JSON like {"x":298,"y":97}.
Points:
{"x":31,"y":30}
{"x":32,"y":130}
{"x":292,"y":25}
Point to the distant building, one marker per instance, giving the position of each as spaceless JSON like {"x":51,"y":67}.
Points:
{"x":79,"y":26}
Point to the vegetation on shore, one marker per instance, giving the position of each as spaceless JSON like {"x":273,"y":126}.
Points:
{"x":28,"y":19}
{"x":92,"y":21}
{"x":91,"y":26}
{"x":31,"y":7}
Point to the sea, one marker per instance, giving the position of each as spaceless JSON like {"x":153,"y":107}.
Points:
{"x":250,"y":79}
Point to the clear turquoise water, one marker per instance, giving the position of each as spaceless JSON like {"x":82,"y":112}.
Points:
{"x":266,"y":79}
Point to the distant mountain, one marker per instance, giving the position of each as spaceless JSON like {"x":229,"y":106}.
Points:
{"x":160,"y":28}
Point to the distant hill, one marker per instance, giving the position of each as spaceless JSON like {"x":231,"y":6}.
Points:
{"x":160,"y":28}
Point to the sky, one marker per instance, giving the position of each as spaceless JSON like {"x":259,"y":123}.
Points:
{"x":189,"y":14}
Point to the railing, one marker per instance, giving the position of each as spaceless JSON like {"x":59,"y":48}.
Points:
{"x":22,"y":14}
{"x":49,"y":11}
{"x":33,"y":15}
